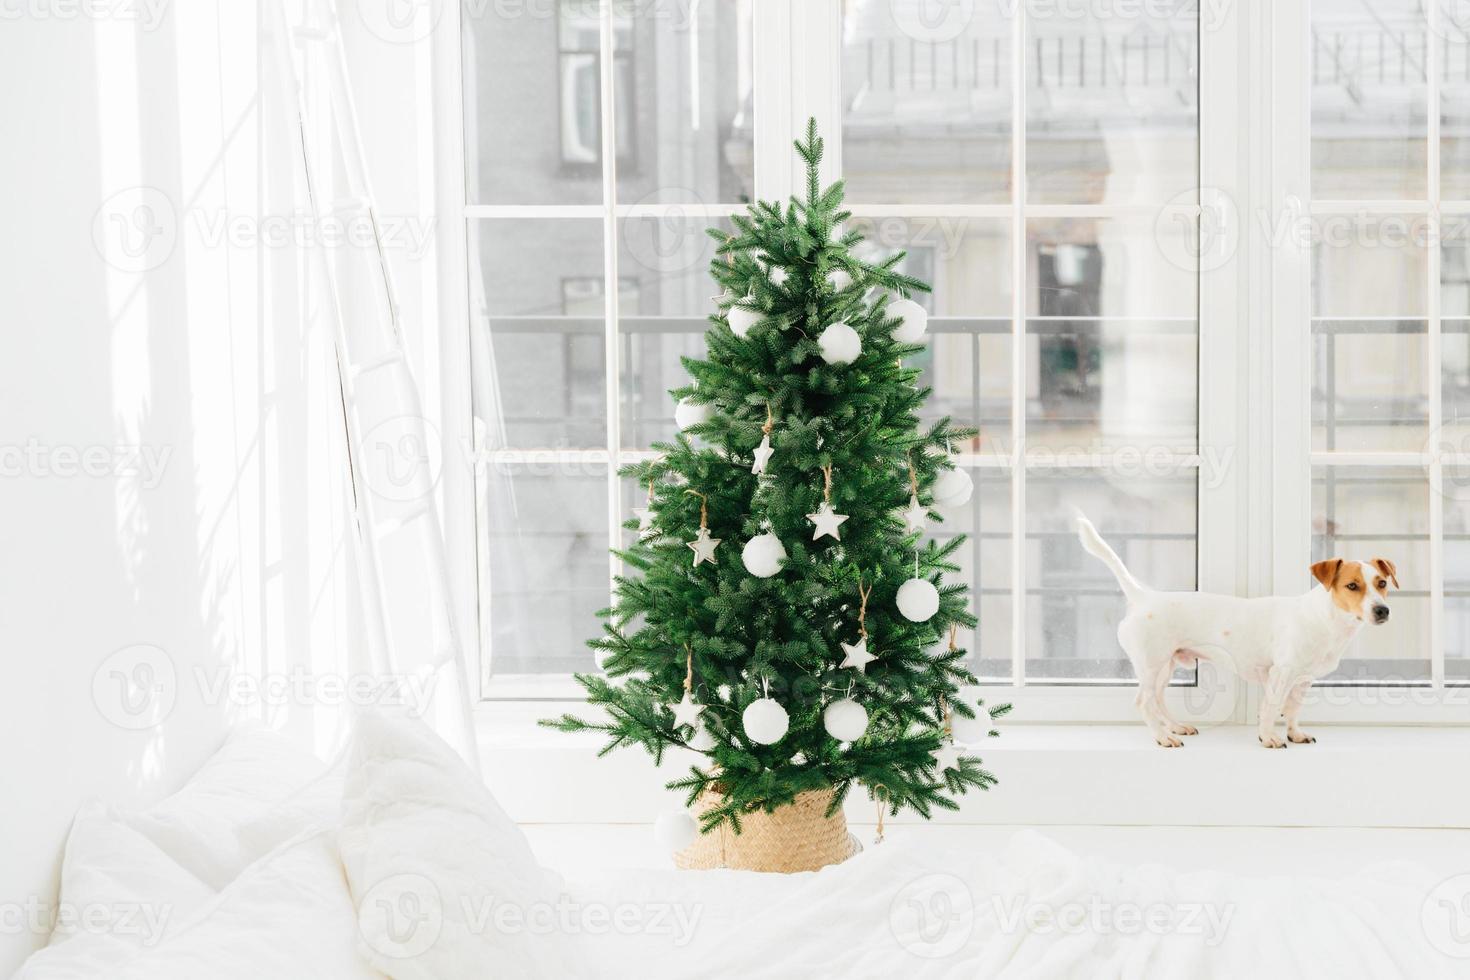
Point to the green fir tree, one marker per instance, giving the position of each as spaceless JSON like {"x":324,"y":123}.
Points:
{"x":843,"y":437}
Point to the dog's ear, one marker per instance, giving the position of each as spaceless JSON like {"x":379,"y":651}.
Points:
{"x":1326,"y":571}
{"x":1386,"y":567}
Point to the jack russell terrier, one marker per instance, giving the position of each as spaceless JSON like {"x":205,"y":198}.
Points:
{"x":1281,"y":643}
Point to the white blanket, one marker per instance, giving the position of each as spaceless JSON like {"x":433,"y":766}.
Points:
{"x":1034,"y":910}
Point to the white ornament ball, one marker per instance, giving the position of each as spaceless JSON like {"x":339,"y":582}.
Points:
{"x":763,"y":555}
{"x":918,"y":599}
{"x":688,"y":413}
{"x":845,"y":720}
{"x":840,"y":344}
{"x":840,"y":279}
{"x":953,"y":488}
{"x":701,"y":740}
{"x":741,"y":320}
{"x":765,"y":721}
{"x":675,"y":830}
{"x":914,"y":321}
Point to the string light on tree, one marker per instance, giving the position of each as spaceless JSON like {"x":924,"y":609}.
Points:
{"x":856,"y":655}
{"x":703,"y":545}
{"x":826,"y":520}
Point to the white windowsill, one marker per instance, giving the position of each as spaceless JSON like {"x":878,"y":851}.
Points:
{"x":1049,"y":774}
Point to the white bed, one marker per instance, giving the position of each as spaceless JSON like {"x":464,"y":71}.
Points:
{"x":397,"y":862}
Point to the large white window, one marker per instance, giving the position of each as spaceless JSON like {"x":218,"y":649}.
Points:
{"x":1097,"y":192}
{"x":1370,"y":242}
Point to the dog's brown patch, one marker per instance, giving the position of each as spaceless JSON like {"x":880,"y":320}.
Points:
{"x":1344,"y":581}
{"x":1388,"y":570}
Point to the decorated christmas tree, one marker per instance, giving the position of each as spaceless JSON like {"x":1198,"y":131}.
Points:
{"x":781,"y":612}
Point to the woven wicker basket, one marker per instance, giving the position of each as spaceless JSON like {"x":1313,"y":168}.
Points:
{"x":797,"y":837}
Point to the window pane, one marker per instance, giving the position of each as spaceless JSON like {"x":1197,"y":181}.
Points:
{"x":1112,"y":102}
{"x":966,"y":360}
{"x":1096,"y":386}
{"x":663,"y":314}
{"x":684,"y":111}
{"x":1073,"y":603}
{"x":985,"y":567}
{"x":1369,"y":99}
{"x":547,"y":536}
{"x":1114,"y":267}
{"x":539,"y":379}
{"x":1454,"y":436}
{"x":1455,"y":489}
{"x":1370,"y":385}
{"x":532,"y":103}
{"x":1361,"y":513}
{"x":926,"y":102}
{"x":1454,"y":270}
{"x":1454,"y":102}
{"x":1370,"y":265}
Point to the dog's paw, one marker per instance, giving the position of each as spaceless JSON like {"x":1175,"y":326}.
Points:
{"x":1301,"y":738}
{"x":1183,"y":730}
{"x":1169,"y":742}
{"x":1271,"y":743}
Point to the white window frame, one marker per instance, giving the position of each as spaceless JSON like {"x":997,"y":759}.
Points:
{"x":1290,"y":367}
{"x":1252,"y":526}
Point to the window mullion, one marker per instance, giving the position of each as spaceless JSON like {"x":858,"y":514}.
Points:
{"x":612,"y":375}
{"x":1019,"y":611}
{"x":1432,"y":299}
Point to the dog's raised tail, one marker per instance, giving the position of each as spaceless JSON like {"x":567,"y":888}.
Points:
{"x":1099,"y":549}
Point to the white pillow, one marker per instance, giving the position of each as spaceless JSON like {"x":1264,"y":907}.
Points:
{"x":445,"y":884}
{"x":118,"y":887}
{"x":287,"y":916}
{"x":198,"y":826}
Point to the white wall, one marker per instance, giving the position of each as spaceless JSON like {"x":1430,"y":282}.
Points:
{"x":199,"y":349}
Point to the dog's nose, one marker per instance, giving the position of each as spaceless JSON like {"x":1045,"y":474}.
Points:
{"x":1380,"y":614}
